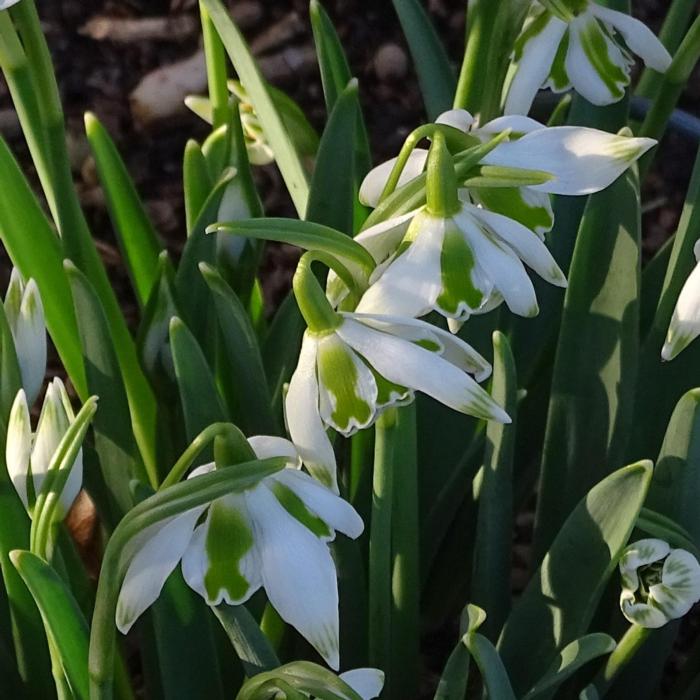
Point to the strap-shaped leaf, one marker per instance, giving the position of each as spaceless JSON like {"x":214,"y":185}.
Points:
{"x":286,"y":155}
{"x":135,"y":233}
{"x":196,"y":181}
{"x":574,"y":572}
{"x":493,"y":672}
{"x":435,"y":75}
{"x":63,"y":620}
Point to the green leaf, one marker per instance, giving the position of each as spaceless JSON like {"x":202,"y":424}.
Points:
{"x":114,"y":440}
{"x":137,"y":238}
{"x":572,"y":657}
{"x":286,"y":155}
{"x":653,"y":276}
{"x":492,"y":550}
{"x":201,"y":402}
{"x":574,"y":573}
{"x":196,"y":181}
{"x":332,"y":196}
{"x":493,"y":672}
{"x":435,"y":75}
{"x":244,"y":382}
{"x":453,"y":682}
{"x":63,"y":620}
{"x":24,"y":229}
{"x":595,"y":371}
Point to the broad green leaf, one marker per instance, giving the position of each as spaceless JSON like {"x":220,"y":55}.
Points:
{"x":332,"y":195}
{"x":572,"y":657}
{"x":453,"y":682}
{"x":592,"y":398}
{"x":114,"y":440}
{"x":196,"y":181}
{"x":492,"y":550}
{"x":244,"y":384}
{"x":661,"y":384}
{"x":24,"y":229}
{"x":63,"y":620}
{"x":435,"y":75}
{"x":201,"y":402}
{"x":493,"y":672}
{"x":653,"y":276}
{"x":574,"y":573}
{"x":276,"y":134}
{"x":137,"y":238}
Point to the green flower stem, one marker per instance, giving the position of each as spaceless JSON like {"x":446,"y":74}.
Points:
{"x":626,"y":648}
{"x":312,"y":301}
{"x":675,"y":25}
{"x":164,"y":504}
{"x":669,"y":91}
{"x":380,"y":545}
{"x":441,"y":183}
{"x":409,"y":145}
{"x":217,"y":72}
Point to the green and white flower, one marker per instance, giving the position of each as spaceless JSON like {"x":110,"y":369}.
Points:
{"x":28,"y":456}
{"x":685,"y":322}
{"x":579,"y":43}
{"x":659,"y":584}
{"x":274,"y":535}
{"x":25,"y":316}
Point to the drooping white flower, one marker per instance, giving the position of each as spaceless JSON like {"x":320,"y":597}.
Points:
{"x":346,"y":376}
{"x":659,"y":584}
{"x":25,"y":316}
{"x":28,"y":456}
{"x":574,"y":43}
{"x":685,"y":322}
{"x":274,"y":535}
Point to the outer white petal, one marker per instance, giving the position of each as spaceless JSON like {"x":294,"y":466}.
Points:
{"x":583,"y":74}
{"x":641,"y":40}
{"x":641,"y":614}
{"x":457,"y":119}
{"x":159,"y":548}
{"x":5,"y":4}
{"x":411,"y":283}
{"x":304,"y":420}
{"x":639,"y":554}
{"x":534,"y":66}
{"x":407,"y":364}
{"x":18,"y":447}
{"x":373,"y":185}
{"x":330,"y":507}
{"x":381,"y":240}
{"x":366,"y":682}
{"x":517,"y":123}
{"x":581,"y":160}
{"x":30,"y":341}
{"x":685,"y":322}
{"x":528,"y":246}
{"x":298,"y":573}
{"x":679,"y":589}
{"x":268,"y":446}
{"x":501,"y":264}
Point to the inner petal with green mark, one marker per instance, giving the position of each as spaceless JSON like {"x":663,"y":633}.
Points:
{"x":558,"y":77}
{"x":298,"y":510}
{"x":347,"y":389}
{"x":229,"y":540}
{"x":530,"y":208}
{"x":596,"y":43}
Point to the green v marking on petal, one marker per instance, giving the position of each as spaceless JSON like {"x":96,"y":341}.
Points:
{"x":298,"y":510}
{"x":457,"y":265}
{"x":228,"y":540}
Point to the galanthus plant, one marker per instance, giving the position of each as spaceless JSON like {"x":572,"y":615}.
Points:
{"x":309,"y":501}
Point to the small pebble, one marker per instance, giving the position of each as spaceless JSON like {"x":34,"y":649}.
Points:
{"x":390,"y":62}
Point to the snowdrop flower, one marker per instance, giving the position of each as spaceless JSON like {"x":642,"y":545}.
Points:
{"x":274,"y":535}
{"x":28,"y":456}
{"x":659,"y":584}
{"x":568,"y":43}
{"x":25,"y":316}
{"x":685,"y":322}
{"x":354,"y":365}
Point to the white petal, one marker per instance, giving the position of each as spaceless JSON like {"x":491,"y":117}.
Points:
{"x":330,"y":507}
{"x":641,"y":40}
{"x":641,"y":614}
{"x":376,"y":179}
{"x":529,"y":248}
{"x":18,"y":447}
{"x":638,"y":554}
{"x":501,"y":264}
{"x":30,"y":341}
{"x":679,"y":589}
{"x":582,"y":160}
{"x":268,"y":446}
{"x":517,"y":123}
{"x":382,"y":240}
{"x":298,"y":573}
{"x":407,"y":364}
{"x":457,"y":119}
{"x":584,"y":71}
{"x":412,"y":282}
{"x":534,"y":66}
{"x":366,"y":682}
{"x":685,"y":322}
{"x":304,"y":420}
{"x":158,"y":548}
